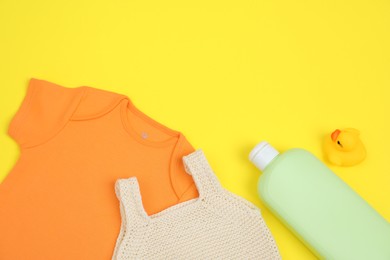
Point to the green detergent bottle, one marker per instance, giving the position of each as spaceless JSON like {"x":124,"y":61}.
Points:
{"x":317,"y":206}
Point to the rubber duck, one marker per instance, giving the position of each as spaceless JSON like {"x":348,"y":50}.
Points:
{"x":344,"y":147}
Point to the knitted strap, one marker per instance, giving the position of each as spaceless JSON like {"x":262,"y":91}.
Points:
{"x":129,"y":195}
{"x":196,"y":164}
{"x":206,"y":182}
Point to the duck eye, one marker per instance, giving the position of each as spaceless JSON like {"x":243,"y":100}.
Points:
{"x":338,"y":142}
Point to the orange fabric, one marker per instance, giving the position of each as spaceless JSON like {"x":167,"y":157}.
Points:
{"x":58,"y":202}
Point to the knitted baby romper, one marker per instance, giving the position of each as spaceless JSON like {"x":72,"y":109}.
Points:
{"x":217,"y":225}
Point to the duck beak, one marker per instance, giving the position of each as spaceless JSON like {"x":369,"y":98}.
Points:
{"x":335,"y":134}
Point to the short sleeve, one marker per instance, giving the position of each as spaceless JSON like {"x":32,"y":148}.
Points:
{"x":44,"y":111}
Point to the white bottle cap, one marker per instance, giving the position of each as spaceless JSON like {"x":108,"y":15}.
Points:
{"x":262,"y":155}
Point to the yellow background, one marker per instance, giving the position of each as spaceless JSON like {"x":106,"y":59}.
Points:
{"x":228,"y":74}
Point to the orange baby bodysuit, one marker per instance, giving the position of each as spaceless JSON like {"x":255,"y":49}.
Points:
{"x":58,"y":202}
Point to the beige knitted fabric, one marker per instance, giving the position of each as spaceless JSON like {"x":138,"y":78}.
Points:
{"x":217,"y":225}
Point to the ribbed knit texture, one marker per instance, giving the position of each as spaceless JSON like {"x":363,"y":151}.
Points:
{"x":217,"y":225}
